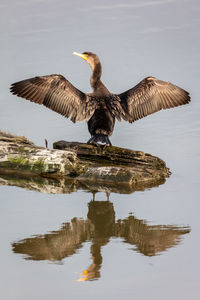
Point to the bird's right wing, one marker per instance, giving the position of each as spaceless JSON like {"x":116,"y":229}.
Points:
{"x":58,"y":94}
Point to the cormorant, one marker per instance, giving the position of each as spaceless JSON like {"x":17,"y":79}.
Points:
{"x":100,"y":108}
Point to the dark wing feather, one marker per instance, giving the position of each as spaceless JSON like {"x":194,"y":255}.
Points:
{"x":113,"y":103}
{"x":149,"y":96}
{"x":57,"y":93}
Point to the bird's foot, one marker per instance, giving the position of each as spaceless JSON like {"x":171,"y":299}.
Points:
{"x":94,"y":140}
{"x":108,"y":142}
{"x":92,"y":143}
{"x":105,"y":146}
{"x":95,"y":144}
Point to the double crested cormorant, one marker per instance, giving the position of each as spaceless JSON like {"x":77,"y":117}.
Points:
{"x":100,"y":108}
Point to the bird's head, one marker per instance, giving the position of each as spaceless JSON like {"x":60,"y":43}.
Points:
{"x":91,"y":58}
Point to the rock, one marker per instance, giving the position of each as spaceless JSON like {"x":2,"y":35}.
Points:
{"x":71,"y":165}
{"x":114,"y":164}
{"x":18,"y":155}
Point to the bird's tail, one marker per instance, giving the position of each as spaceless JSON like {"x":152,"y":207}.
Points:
{"x":102,"y":138}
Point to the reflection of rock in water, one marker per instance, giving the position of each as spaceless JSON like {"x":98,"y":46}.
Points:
{"x":99,"y":228}
{"x":70,"y":185}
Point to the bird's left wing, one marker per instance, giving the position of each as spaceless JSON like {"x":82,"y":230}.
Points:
{"x":57,"y":93}
{"x":149,"y":96}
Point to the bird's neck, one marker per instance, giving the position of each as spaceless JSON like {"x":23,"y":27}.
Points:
{"x":96,"y":75}
{"x":95,"y":81}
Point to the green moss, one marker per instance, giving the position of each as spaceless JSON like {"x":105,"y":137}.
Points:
{"x":18,"y":162}
{"x":23,"y":164}
{"x":39,"y":166}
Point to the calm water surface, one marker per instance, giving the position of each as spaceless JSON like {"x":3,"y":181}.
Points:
{"x":143,"y":244}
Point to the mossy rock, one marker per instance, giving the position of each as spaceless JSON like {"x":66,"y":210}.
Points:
{"x":86,"y":163}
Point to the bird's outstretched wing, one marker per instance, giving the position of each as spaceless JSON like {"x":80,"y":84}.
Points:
{"x":57,"y":93}
{"x":149,"y":96}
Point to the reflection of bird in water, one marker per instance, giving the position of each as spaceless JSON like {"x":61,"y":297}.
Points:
{"x":100,"y":108}
{"x":99,"y":227}
{"x":107,"y":191}
{"x":101,"y":214}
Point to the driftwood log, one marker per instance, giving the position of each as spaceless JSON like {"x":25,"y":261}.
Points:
{"x":71,"y":165}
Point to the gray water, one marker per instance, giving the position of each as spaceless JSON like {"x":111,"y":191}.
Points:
{"x":148,"y":244}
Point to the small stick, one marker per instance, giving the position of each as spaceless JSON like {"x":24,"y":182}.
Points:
{"x":46,"y":143}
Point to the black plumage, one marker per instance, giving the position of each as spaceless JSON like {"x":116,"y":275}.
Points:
{"x":100,"y":108}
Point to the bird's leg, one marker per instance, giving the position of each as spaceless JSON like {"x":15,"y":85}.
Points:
{"x":108,"y":196}
{"x":108,"y":142}
{"x":93,"y":196}
{"x":92,"y":141}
